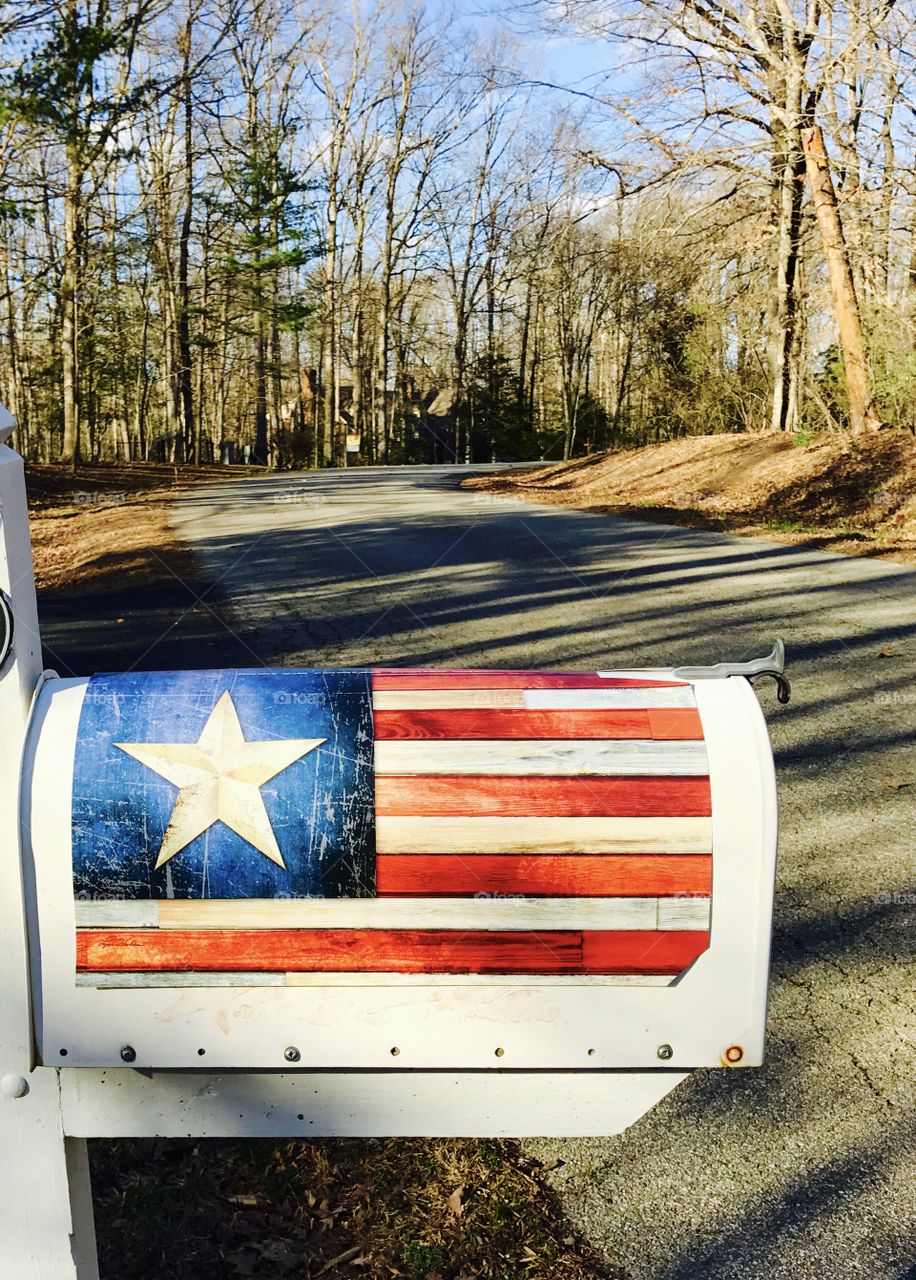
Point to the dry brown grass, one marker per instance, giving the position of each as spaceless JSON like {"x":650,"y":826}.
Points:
{"x":103,"y":521}
{"x":853,"y":494}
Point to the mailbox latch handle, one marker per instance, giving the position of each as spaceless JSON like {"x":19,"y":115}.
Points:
{"x":770,"y":664}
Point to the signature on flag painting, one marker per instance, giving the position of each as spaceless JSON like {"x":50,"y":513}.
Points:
{"x":290,"y":826}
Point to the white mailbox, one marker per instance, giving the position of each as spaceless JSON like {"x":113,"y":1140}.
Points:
{"x":421,"y":869}
{"x":362,"y":902}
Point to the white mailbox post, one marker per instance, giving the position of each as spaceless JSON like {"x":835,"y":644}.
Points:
{"x":46,"y":1228}
{"x":293,"y":903}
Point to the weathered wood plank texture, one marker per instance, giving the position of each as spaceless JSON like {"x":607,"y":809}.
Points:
{"x":398,"y":951}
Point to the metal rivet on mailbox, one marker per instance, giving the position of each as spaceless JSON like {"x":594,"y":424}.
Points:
{"x":664,"y":1051}
{"x":128,"y":1053}
{"x":734,"y":1053}
{"x":292,"y":1054}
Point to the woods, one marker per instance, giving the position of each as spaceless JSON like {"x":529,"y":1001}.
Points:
{"x":303,"y":235}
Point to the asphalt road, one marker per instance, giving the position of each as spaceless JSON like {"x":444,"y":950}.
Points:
{"x":807,"y":1167}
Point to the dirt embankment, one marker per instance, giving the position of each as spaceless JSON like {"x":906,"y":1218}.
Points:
{"x":103,"y":524}
{"x":847,"y":494}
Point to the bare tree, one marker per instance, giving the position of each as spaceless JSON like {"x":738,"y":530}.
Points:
{"x":863,"y":414}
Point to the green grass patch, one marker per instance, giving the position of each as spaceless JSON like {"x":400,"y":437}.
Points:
{"x":787,"y":526}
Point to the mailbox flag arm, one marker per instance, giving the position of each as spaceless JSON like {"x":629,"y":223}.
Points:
{"x":771,"y":664}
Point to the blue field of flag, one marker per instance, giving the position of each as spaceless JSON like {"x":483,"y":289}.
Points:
{"x":225,"y":784}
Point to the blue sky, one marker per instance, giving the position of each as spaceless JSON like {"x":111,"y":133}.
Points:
{"x":564,"y":59}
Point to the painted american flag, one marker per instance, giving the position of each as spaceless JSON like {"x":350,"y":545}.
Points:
{"x":288,"y":827}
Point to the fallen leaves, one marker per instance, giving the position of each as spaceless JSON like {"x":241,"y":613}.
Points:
{"x":821,"y":495}
{"x":330,"y":1210}
{"x":348,"y":1255}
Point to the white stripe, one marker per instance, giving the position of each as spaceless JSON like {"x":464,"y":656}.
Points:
{"x":532,"y":699}
{"x":683,"y":913}
{"x":477,"y":913}
{"x":607,"y":699}
{"x":117,"y":913}
{"x":541,"y":756}
{"x":641,"y":673}
{"x":534,"y":836}
{"x":447,"y":699}
{"x":181,"y":979}
{"x":114,"y":980}
{"x":479,"y":980}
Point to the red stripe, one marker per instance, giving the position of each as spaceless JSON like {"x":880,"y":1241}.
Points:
{"x":543,"y":876}
{"x":422,"y":678}
{"x":474,"y":722}
{"x":526,"y":797}
{"x":655,"y":952}
{"x":386,"y":951}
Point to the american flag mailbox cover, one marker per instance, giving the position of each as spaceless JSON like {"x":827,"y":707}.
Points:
{"x":573,"y":868}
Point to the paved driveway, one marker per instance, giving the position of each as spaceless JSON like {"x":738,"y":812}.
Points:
{"x":807,"y":1167}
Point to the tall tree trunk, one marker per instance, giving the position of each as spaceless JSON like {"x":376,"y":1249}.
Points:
{"x":141,"y":393}
{"x":331,"y":379}
{"x":359,"y":355}
{"x":462,"y":435}
{"x":221,"y":374}
{"x":383,"y":431}
{"x":183,"y":335}
{"x":170,"y":396}
{"x":620,"y":388}
{"x":261,"y":444}
{"x":522,"y":379}
{"x":863,"y":413}
{"x":69,"y":303}
{"x":275,"y":355}
{"x":882,"y":248}
{"x":492,"y":380}
{"x":783,"y":342}
{"x":200,"y":427}
{"x":121,"y":390}
{"x":570,"y":398}
{"x":275,"y":451}
{"x":11,"y":388}
{"x":319,"y":444}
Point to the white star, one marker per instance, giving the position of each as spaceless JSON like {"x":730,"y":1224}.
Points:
{"x":219,"y":777}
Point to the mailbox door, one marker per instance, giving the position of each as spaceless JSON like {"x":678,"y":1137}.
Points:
{"x":379,"y":869}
